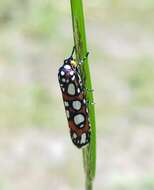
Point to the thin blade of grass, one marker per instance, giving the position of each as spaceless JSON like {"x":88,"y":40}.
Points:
{"x":89,"y":152}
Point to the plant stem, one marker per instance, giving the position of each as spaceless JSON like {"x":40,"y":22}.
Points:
{"x":89,"y":152}
{"x":89,"y":184}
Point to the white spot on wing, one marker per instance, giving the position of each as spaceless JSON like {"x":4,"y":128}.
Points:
{"x":67,"y":67}
{"x":79,"y":118}
{"x":63,"y":80}
{"x":71,"y":72}
{"x":81,"y":126}
{"x":74,"y":136}
{"x":66,"y":104}
{"x":73,"y":77}
{"x":78,"y":90}
{"x":67,"y":114}
{"x":62,"y":73}
{"x":71,"y":89}
{"x":84,"y":101}
{"x":83,"y":138}
{"x":76,"y":105}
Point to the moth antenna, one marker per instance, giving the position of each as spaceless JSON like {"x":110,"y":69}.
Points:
{"x":72,"y":52}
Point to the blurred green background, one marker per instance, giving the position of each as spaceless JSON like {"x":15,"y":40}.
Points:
{"x":35,"y":148}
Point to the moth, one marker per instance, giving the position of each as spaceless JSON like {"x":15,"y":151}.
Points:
{"x":74,"y":99}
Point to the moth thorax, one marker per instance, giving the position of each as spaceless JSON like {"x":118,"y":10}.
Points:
{"x":73,"y":63}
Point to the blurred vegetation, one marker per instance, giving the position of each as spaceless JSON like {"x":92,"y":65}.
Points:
{"x":36,"y":35}
{"x":144,"y":184}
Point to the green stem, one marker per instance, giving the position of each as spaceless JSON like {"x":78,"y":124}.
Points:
{"x":89,"y":184}
{"x":89,"y":152}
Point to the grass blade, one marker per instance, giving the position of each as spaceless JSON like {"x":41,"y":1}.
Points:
{"x":89,"y":152}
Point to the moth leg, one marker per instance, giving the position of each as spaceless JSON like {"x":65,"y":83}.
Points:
{"x":91,"y":103}
{"x":87,"y":89}
{"x":83,"y":59}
